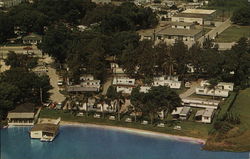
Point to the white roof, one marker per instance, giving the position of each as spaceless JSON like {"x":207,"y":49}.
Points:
{"x":199,"y":11}
{"x":177,"y":111}
{"x":200,"y":112}
{"x":208,"y":112}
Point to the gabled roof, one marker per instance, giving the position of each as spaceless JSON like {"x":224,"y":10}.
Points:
{"x":24,"y":108}
{"x":32,"y":36}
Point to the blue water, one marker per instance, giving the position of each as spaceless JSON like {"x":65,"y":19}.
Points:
{"x":96,"y":143}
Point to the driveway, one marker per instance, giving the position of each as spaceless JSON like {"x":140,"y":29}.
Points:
{"x":191,"y":90}
{"x":217,"y":30}
{"x":56,"y":96}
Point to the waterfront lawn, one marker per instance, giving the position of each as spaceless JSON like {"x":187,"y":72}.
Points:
{"x":241,"y":106}
{"x":189,"y":128}
{"x":238,"y":138}
{"x":233,"y":34}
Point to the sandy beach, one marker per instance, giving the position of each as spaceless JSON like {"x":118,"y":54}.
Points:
{"x":138,"y":131}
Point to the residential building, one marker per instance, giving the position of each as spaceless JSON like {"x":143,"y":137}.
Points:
{"x":181,"y":113}
{"x":185,"y":113}
{"x":176,"y":113}
{"x":9,"y":3}
{"x":124,"y":84}
{"x":86,"y":77}
{"x":211,"y":92}
{"x":205,"y":115}
{"x":221,"y":85}
{"x":23,"y":114}
{"x":200,"y":103}
{"x":171,"y":82}
{"x":32,"y":38}
{"x":116,"y":69}
{"x":145,"y":89}
{"x":221,"y":90}
{"x":88,"y":84}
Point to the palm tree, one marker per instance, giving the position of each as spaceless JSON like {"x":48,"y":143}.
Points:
{"x":119,"y":100}
{"x":102,"y":99}
{"x":212,"y":85}
{"x":169,"y":64}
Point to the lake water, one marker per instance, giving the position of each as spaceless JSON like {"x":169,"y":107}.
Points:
{"x":79,"y":142}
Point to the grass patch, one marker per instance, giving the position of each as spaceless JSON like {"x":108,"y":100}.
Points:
{"x":237,"y":139}
{"x":189,"y":128}
{"x":226,"y":105}
{"x":233,"y":34}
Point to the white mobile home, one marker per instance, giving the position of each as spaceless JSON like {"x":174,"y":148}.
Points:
{"x":172,"y":82}
{"x":205,"y":115}
{"x":211,"y":92}
{"x":200,"y":103}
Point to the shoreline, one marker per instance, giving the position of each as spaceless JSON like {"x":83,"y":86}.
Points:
{"x":138,"y":131}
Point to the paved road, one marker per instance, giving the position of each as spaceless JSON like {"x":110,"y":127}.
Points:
{"x":217,"y":30}
{"x":106,"y":85}
{"x":56,"y":96}
{"x":191,"y":90}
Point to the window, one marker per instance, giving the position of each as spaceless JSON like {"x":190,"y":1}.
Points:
{"x":185,"y":27}
{"x":201,"y":91}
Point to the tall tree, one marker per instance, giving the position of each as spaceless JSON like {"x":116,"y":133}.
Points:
{"x":56,"y":42}
{"x":6,"y":27}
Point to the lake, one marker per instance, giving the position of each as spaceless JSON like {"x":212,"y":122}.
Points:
{"x":80,"y":142}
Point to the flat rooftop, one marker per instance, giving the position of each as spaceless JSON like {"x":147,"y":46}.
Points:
{"x":179,"y":32}
{"x":191,"y":15}
{"x":181,"y":24}
{"x":199,"y":11}
{"x":50,"y":128}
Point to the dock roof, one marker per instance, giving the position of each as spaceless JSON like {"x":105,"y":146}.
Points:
{"x":50,"y":128}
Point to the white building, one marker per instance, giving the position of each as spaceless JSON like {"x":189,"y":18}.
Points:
{"x":87,"y":77}
{"x":22,"y":115}
{"x":171,"y":35}
{"x":200,"y":103}
{"x":205,"y":115}
{"x":200,"y":16}
{"x":123,"y":81}
{"x":45,"y":131}
{"x":92,"y":83}
{"x":32,"y":38}
{"x":124,"y":84}
{"x":221,"y":90}
{"x":181,"y":113}
{"x":211,"y":92}
{"x":116,"y":69}
{"x":9,"y":3}
{"x":172,"y":82}
{"x":221,"y":85}
{"x":145,"y":89}
{"x":182,"y":25}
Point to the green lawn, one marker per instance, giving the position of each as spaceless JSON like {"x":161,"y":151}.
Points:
{"x":233,"y":34}
{"x":189,"y":128}
{"x":238,"y":138}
